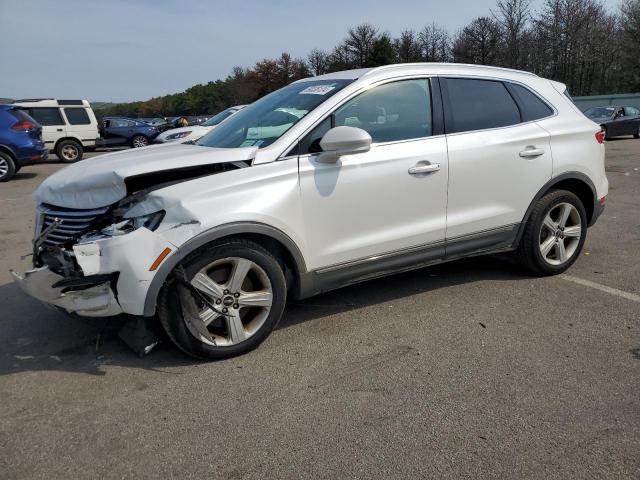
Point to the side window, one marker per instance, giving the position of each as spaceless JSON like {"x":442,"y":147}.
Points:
{"x":631,"y":111}
{"x":46,"y":116}
{"x":77,"y":116}
{"x":478,"y":105}
{"x":391,"y":112}
{"x":311,"y":143}
{"x":531,"y":106}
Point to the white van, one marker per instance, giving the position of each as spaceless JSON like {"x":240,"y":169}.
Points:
{"x":68,"y":126}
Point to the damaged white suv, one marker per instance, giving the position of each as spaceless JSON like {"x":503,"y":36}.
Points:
{"x":329,"y":181}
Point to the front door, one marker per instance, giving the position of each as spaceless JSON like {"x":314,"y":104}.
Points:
{"x":386,"y":201}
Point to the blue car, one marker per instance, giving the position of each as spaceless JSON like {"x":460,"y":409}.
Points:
{"x":20,"y":141}
{"x":119,"y":131}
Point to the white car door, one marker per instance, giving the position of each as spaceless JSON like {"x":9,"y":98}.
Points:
{"x":371,"y":204}
{"x":498,"y":160}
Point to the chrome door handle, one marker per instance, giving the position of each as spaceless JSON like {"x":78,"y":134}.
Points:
{"x":424,"y":167}
{"x":531,"y":152}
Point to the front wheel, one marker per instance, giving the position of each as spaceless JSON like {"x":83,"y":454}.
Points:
{"x":554,"y":234}
{"x":224,"y":301}
{"x":637,"y":134}
{"x":139,"y":141}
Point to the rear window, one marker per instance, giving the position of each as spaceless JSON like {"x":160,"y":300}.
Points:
{"x":531,"y":106}
{"x":21,"y":115}
{"x":479,"y":104}
{"x":46,"y":116}
{"x":77,"y":116}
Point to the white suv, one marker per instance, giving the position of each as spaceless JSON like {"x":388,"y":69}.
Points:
{"x":329,"y":181}
{"x":68,"y":126}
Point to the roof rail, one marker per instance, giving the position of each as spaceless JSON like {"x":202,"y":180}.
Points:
{"x":447,"y":64}
{"x":32,"y":100}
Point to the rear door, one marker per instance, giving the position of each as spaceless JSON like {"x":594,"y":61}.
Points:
{"x":633,"y":117}
{"x":53,"y":124}
{"x":118,"y":131}
{"x":498,"y":159}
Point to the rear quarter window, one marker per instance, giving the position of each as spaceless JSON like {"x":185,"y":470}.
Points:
{"x":478,"y":105}
{"x":77,"y":116}
{"x":532,"y":107}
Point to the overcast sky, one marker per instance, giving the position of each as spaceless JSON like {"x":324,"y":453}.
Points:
{"x":117,"y":50}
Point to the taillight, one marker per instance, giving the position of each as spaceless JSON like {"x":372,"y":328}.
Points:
{"x":600,"y":136}
{"x":24,"y":125}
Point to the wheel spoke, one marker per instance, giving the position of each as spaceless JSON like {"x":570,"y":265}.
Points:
{"x":237,"y":333}
{"x":255,"y":299}
{"x":575,"y":231}
{"x":547,"y":245}
{"x":240,"y":269}
{"x":564,"y":214}
{"x":561,"y":251}
{"x":206,"y":285}
{"x":208,"y":315}
{"x":549,"y":223}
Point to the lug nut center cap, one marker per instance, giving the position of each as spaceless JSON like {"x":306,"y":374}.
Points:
{"x":228,"y":301}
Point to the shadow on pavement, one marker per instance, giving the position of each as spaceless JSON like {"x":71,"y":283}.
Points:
{"x":37,"y":338}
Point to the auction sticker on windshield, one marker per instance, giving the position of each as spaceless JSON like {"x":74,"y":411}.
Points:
{"x":317,"y":90}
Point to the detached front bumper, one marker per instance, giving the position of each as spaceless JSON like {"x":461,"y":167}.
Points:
{"x":85,"y":298}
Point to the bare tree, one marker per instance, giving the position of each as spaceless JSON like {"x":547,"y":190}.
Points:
{"x":359,"y":43}
{"x":513,"y":16}
{"x":318,"y":61}
{"x":435,"y":44}
{"x":478,"y":42}
{"x":407,"y":47}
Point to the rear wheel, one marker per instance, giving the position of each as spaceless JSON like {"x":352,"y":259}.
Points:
{"x":7,"y":167}
{"x":637,"y":134}
{"x":139,"y":141}
{"x":554,"y":234}
{"x":604,"y":130}
{"x":224,"y":301}
{"x":69,"y":151}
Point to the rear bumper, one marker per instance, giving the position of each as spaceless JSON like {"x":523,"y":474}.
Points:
{"x":89,"y":300}
{"x":35,"y":157}
{"x":598,"y":208}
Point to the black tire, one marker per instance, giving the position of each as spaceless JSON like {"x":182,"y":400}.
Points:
{"x":637,"y":134}
{"x":139,"y":141}
{"x":604,"y":129}
{"x":69,"y":151}
{"x":170,"y":310}
{"x":529,"y":251}
{"x":7,"y":167}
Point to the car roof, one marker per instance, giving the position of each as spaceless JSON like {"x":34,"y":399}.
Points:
{"x":51,"y":102}
{"x":425,"y":67}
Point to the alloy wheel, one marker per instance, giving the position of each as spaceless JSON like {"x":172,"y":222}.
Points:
{"x":560,"y":234}
{"x":4,"y":167}
{"x":228,"y":301}
{"x":140,"y":141}
{"x":69,"y":152}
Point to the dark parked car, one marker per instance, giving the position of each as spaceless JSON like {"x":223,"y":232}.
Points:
{"x":20,"y":141}
{"x":616,"y":121}
{"x":117,"y":131}
{"x":160,"y":123}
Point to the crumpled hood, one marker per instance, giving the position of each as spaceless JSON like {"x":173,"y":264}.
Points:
{"x":100,"y":181}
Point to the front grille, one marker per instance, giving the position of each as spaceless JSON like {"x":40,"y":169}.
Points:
{"x":74,"y":222}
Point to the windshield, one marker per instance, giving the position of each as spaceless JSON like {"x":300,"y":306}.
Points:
{"x":597,"y":112}
{"x":216,"y":119}
{"x":263,"y":122}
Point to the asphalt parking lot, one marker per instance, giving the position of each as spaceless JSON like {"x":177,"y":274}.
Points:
{"x":471,"y":369}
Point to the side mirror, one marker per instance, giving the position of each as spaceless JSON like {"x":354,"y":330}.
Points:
{"x":343,"y":141}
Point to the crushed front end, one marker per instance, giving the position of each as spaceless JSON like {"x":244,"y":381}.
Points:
{"x":93,"y":262}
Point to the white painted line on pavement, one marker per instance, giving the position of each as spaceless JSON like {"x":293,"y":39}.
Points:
{"x":603,"y":288}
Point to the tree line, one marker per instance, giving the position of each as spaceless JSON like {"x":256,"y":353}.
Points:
{"x":578,"y":42}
